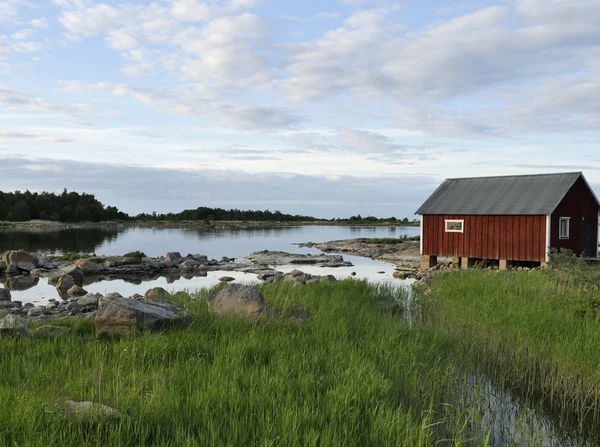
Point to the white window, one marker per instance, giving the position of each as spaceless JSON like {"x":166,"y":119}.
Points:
{"x":455,"y":226}
{"x":564,"y":228}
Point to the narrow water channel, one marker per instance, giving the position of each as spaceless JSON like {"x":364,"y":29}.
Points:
{"x":503,"y":415}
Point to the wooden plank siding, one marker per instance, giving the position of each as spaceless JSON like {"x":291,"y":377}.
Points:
{"x":514,"y":238}
{"x":578,"y":204}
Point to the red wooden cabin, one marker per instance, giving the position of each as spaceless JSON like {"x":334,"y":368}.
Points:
{"x":509,"y":219}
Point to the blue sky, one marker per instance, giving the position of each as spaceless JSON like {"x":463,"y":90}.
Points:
{"x":327,"y":108}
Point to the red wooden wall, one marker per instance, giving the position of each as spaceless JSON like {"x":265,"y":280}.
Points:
{"x":514,"y":238}
{"x":578,"y":204}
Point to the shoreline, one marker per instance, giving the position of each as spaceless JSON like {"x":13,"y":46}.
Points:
{"x":56,"y":226}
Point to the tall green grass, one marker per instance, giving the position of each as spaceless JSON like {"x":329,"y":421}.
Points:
{"x":354,"y":374}
{"x":538,"y":332}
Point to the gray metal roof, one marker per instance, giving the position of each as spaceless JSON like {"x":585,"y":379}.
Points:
{"x":508,"y":195}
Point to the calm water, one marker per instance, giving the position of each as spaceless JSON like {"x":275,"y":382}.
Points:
{"x":213,"y":243}
{"x":233,"y":243}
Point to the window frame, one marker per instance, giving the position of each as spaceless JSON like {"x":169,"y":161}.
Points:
{"x":454,"y":221}
{"x":560,"y":233}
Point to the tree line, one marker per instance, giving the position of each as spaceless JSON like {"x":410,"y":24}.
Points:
{"x":66,"y":207}
{"x":70,"y":206}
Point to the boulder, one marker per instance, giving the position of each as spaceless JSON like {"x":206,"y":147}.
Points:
{"x":5,"y":295}
{"x":203,"y":259}
{"x":17,"y":256}
{"x":87,"y":267}
{"x":51,"y":331}
{"x":13,"y":325}
{"x":91,"y":410}
{"x":73,"y":271}
{"x":76,"y":291}
{"x":12,"y":269}
{"x":2,"y":266}
{"x":188,"y":266}
{"x":238,"y":299}
{"x":121,"y":315}
{"x":36,"y":311}
{"x":89,"y":300}
{"x":26,"y":266}
{"x":174,"y":257}
{"x":64,"y":284}
{"x":156,"y":294}
{"x":328,"y":278}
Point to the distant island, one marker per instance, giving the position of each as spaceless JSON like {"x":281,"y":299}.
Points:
{"x":73,"y":207}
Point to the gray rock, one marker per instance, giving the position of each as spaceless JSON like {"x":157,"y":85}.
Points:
{"x":75,"y":272}
{"x":51,"y":331}
{"x":188,"y":266}
{"x":87,"y":267}
{"x":173,"y":257}
{"x":110,"y":264}
{"x":13,"y":325}
{"x":48,"y":266}
{"x":240,"y":300}
{"x":51,"y":306}
{"x":36,"y":311}
{"x":156,"y":294}
{"x":328,"y":278}
{"x":76,"y":291}
{"x":5,"y":295}
{"x":267,"y":257}
{"x":64,"y":284}
{"x":26,"y":266}
{"x":74,"y":306}
{"x":89,"y":300}
{"x":12,"y":269}
{"x":203,"y":259}
{"x":16,"y":256}
{"x":7,"y":304}
{"x":226,"y":279}
{"x":120,"y":315}
{"x":28,"y":305}
{"x":91,"y":410}
{"x":36,"y":272}
{"x":2,"y":266}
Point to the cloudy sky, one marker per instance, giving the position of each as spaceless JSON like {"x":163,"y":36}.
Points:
{"x":329,"y":107}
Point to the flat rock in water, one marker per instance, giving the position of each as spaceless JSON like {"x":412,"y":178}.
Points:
{"x":238,"y":299}
{"x":267,"y":257}
{"x":123,"y":314}
{"x":226,"y":279}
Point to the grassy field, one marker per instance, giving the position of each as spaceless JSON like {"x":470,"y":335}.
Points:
{"x":354,"y":374}
{"x":538,"y":332}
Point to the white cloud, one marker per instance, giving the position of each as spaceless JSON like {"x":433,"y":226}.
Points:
{"x":190,"y":10}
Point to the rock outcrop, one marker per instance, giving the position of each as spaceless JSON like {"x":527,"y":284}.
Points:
{"x":266,"y":257}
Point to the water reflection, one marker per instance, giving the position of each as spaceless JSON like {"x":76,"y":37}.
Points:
{"x":84,"y":240}
{"x":20,"y":283}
